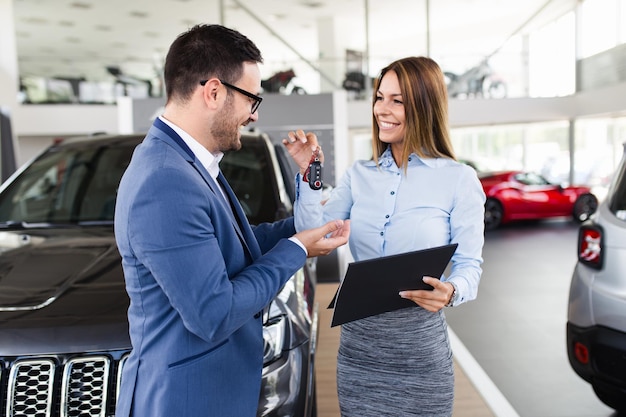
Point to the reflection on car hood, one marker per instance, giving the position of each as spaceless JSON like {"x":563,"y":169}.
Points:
{"x":61,"y":290}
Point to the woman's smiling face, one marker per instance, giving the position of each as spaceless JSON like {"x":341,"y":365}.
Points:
{"x":389,"y":110}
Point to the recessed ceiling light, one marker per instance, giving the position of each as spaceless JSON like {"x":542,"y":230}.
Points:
{"x":35,"y":20}
{"x":278,"y":16}
{"x":80,"y":5}
{"x":312,"y":4}
{"x":138,"y":14}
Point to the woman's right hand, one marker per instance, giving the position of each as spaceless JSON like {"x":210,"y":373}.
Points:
{"x":301,"y":146}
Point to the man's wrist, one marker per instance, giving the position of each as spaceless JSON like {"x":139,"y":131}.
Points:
{"x":299,"y":243}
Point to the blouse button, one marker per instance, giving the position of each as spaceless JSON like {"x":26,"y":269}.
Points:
{"x":387,"y":216}
{"x":381,"y":233}
{"x":393,"y":193}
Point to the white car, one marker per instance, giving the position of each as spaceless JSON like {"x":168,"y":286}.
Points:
{"x":596,"y":322}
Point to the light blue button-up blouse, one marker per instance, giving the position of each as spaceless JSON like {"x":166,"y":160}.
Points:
{"x":436,"y":202}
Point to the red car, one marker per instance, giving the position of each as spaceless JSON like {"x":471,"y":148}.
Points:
{"x":521,"y":195}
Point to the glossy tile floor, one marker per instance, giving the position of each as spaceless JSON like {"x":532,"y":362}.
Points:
{"x":509,"y":344}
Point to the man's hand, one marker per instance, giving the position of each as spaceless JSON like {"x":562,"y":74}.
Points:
{"x":317,"y":243}
{"x":433,"y":300}
{"x":301,"y":147}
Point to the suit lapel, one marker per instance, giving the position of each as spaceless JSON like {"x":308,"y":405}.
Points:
{"x":162,"y":131}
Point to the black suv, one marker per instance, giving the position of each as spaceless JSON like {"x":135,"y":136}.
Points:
{"x":63,"y":324}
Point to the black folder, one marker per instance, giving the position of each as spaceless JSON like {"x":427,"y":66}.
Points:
{"x":371,"y":287}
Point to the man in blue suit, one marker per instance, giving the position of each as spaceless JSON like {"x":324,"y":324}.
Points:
{"x":197,"y":274}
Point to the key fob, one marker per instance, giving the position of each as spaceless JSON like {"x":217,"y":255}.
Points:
{"x":315,"y":175}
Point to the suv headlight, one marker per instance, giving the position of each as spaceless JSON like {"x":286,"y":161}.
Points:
{"x":273,"y":339}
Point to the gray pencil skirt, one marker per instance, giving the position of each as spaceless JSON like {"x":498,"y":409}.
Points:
{"x":396,"y":364}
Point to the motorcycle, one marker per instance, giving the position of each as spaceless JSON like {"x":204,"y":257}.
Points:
{"x":355,"y":83}
{"x":282,"y":82}
{"x":478,"y":81}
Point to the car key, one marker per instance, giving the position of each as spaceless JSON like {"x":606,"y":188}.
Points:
{"x":313,"y":174}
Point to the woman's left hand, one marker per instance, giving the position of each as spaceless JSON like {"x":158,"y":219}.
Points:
{"x":433,"y":300}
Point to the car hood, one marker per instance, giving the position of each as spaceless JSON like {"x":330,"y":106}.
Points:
{"x":61,"y":290}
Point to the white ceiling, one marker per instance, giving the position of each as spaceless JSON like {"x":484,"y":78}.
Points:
{"x":79,"y":38}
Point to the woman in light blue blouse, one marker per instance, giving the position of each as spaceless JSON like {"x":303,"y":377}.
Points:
{"x":411,"y":195}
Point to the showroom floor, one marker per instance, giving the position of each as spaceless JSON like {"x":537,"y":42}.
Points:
{"x":509,"y":344}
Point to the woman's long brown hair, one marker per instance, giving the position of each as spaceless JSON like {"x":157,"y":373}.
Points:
{"x":425,"y":99}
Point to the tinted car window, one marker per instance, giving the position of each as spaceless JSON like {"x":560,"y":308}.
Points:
{"x":253,"y":180}
{"x":79,"y":184}
{"x":67,"y":185}
{"x":617,"y":204}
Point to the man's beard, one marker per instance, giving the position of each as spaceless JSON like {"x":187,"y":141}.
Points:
{"x":225,"y":131}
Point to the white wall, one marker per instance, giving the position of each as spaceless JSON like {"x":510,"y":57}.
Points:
{"x":64,"y":119}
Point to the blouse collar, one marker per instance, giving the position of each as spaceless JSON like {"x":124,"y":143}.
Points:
{"x":386,"y":160}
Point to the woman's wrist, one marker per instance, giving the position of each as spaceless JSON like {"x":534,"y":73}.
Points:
{"x":453,"y":297}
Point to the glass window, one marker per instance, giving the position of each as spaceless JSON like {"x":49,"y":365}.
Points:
{"x":618,"y":200}
{"x":67,"y":185}
{"x":533,"y":147}
{"x":598,"y":150}
{"x":552,"y":57}
{"x":251,"y":176}
{"x":599,"y":25}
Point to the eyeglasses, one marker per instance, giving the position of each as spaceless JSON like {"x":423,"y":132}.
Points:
{"x":257,"y":99}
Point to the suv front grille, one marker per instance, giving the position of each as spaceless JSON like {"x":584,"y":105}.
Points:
{"x":79,"y":387}
{"x":30,"y":388}
{"x":84,"y":388}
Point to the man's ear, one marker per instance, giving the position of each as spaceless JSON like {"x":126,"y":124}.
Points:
{"x":212,"y":93}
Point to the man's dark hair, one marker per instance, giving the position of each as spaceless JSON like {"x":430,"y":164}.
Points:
{"x":203,"y":52}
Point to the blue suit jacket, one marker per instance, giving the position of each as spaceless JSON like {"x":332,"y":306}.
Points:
{"x":196,"y":285}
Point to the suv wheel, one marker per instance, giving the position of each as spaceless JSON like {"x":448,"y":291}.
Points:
{"x":584,"y":207}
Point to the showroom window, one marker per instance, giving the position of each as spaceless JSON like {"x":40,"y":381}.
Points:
{"x":532,"y":147}
{"x":544,"y":148}
{"x":601,"y":26}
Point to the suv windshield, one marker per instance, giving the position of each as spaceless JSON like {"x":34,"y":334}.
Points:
{"x":67,"y":185}
{"x":77,"y":183}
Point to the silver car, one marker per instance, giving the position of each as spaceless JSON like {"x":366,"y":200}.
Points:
{"x":596,"y":322}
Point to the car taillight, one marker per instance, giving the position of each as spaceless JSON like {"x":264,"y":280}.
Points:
{"x":590,"y":246}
